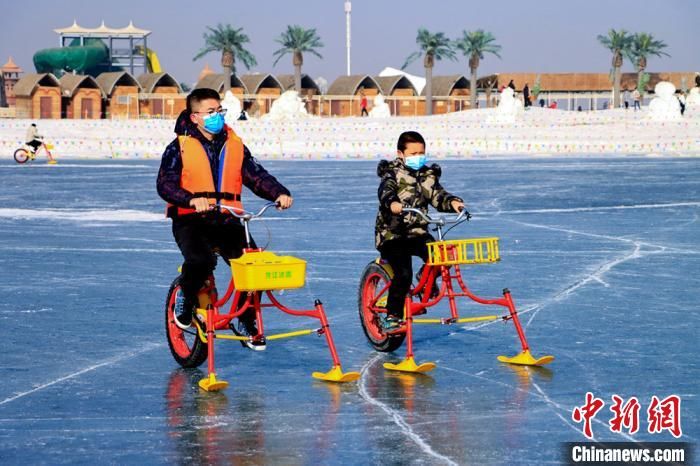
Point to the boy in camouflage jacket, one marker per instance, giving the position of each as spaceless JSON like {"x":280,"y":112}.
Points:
{"x":407,"y":182}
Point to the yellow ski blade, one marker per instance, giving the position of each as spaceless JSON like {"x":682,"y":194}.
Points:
{"x":212,"y":384}
{"x":526,"y":359}
{"x":336,"y":375}
{"x":409,"y":365}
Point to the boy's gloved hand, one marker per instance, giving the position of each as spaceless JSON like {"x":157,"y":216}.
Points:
{"x":396,"y":208}
{"x":457,"y":206}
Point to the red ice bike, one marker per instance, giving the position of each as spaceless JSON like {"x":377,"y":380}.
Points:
{"x":255,"y":275}
{"x":444,"y":262}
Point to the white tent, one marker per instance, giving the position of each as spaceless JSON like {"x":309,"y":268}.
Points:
{"x":418,"y":82}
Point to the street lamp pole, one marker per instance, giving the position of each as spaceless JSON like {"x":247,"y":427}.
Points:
{"x":348,"y":10}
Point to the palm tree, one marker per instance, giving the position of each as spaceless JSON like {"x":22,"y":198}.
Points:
{"x":296,"y":40}
{"x":435,"y":47}
{"x":618,"y":42}
{"x":642,"y":46}
{"x":229,"y":42}
{"x":474,"y":44}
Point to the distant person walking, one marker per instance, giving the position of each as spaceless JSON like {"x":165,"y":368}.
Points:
{"x":637,"y":97}
{"x":526,"y":95}
{"x":681,"y":101}
{"x":626,"y":98}
{"x":363,"y":104}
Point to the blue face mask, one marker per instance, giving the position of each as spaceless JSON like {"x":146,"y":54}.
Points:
{"x":214,"y":123}
{"x":416,"y":162}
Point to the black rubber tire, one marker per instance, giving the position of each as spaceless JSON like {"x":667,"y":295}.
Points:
{"x":370,"y":320}
{"x":185,"y":346}
{"x":21,"y":156}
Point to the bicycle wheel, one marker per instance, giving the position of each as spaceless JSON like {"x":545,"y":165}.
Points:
{"x":21,"y":156}
{"x":185,"y":345}
{"x":374,"y":280}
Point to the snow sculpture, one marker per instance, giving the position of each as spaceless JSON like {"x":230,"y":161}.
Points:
{"x":380,"y":109}
{"x":289,"y":106}
{"x":233,"y":108}
{"x":509,"y":108}
{"x":665,"y":106}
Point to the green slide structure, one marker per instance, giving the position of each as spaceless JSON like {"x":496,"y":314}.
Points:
{"x":91,"y":58}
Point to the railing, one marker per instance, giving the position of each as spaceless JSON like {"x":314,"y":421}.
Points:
{"x":8,"y":112}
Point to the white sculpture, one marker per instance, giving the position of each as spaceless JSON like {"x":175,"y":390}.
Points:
{"x":665,"y":106}
{"x":380,"y":108}
{"x":509,"y":108}
{"x":233,"y":108}
{"x":289,"y":106}
{"x":692,"y":103}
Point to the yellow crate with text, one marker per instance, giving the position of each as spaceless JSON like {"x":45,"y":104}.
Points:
{"x":265,"y":270}
{"x":463,"y":251}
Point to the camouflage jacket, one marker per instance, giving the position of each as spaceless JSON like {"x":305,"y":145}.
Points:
{"x":412,"y":188}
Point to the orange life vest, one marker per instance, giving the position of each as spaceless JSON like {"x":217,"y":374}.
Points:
{"x":198,"y":179}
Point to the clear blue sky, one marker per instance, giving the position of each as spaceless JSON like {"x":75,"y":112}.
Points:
{"x":537,"y":36}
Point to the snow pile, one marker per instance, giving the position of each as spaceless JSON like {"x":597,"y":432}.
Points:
{"x":289,"y":106}
{"x":472,"y":133}
{"x":380,"y":108}
{"x":665,"y":106}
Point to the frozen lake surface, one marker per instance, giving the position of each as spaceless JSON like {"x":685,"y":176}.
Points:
{"x":602,"y":257}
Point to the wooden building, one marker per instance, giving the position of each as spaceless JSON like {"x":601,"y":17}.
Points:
{"x":590,"y":91}
{"x":450,"y":94}
{"x":38,"y":96}
{"x":161,"y":96}
{"x":263,"y":89}
{"x":216,"y":81}
{"x":121,"y":91}
{"x":400,"y":93}
{"x":81,"y":97}
{"x":344,"y":95}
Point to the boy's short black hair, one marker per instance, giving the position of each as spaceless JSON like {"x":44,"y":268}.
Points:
{"x":198,"y":95}
{"x":34,"y":125}
{"x":407,"y":138}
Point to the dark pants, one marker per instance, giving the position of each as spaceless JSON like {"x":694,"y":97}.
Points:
{"x":398,"y":253}
{"x":35,"y":144}
{"x":200,"y":238}
{"x":364,"y":112}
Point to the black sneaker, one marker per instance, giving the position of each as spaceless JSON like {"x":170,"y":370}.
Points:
{"x":182,"y":313}
{"x":249,"y":329}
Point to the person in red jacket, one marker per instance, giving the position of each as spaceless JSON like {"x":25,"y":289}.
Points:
{"x":363,"y":104}
{"x":207,"y":165}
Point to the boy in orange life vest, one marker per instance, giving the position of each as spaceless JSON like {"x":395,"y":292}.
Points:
{"x":208,"y":164}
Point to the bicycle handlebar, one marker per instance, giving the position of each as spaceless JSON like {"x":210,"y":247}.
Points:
{"x":439,"y":221}
{"x":246,"y":215}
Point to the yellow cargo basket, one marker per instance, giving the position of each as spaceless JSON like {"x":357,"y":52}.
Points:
{"x":264,"y":270}
{"x":463,"y":251}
